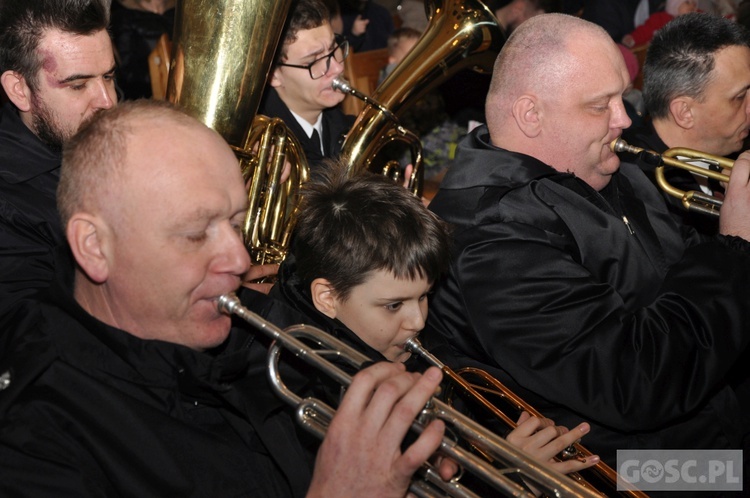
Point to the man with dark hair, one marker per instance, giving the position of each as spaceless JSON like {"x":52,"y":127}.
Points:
{"x":570,"y":281}
{"x":124,"y":378}
{"x":57,"y":69}
{"x":310,"y":57}
{"x":695,"y":86}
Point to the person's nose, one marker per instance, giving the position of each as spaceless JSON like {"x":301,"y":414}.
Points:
{"x":336,"y":68}
{"x":105,"y":96}
{"x":235,"y":258}
{"x":620,"y":119}
{"x":416,"y":319}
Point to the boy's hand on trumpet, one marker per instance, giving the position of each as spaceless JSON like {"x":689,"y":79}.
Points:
{"x":544,"y":440}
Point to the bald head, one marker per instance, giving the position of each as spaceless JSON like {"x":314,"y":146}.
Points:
{"x":94,"y":162}
{"x":536,"y":58}
{"x":556,"y":95}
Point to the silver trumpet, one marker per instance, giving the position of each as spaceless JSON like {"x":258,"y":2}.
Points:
{"x":319,"y":349}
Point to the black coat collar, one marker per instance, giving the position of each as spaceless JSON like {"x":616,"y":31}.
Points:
{"x":22,"y":155}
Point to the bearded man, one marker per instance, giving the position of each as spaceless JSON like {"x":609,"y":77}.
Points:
{"x":57,"y":70}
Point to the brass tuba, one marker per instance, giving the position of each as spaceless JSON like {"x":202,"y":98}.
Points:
{"x":460,"y":34}
{"x":222,"y":53}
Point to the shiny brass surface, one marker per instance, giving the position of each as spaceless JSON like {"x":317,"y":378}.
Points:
{"x":692,"y":200}
{"x":222,"y":53}
{"x":460,"y":34}
{"x":496,"y":399}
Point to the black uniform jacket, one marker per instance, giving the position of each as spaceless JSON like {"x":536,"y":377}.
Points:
{"x":591,"y":306}
{"x":29,"y":224}
{"x":91,"y":410}
{"x":336,"y":125}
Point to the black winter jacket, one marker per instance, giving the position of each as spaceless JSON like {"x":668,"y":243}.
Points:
{"x":90,"y":410}
{"x":593,"y":306}
{"x":30,"y":228}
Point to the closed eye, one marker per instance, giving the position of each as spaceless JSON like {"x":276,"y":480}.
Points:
{"x":197,"y":237}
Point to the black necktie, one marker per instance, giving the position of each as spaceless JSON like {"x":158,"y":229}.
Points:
{"x":316,"y":139}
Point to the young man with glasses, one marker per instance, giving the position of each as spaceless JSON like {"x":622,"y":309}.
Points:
{"x":300,"y":92}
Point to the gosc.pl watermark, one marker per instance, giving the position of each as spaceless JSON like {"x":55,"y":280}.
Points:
{"x":680,"y":470}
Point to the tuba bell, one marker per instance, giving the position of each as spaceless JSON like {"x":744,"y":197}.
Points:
{"x":460,"y":34}
{"x":222,"y":53}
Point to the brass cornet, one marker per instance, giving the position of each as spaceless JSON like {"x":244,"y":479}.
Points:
{"x":692,"y":200}
{"x":325,"y":353}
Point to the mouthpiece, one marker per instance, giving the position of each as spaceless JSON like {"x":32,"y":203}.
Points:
{"x":412,"y":345}
{"x":341,"y":85}
{"x":228,"y":303}
{"x":620,"y":145}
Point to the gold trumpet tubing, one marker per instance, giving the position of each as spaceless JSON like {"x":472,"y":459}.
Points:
{"x":497,"y":388}
{"x":316,"y":415}
{"x":392,"y":169}
{"x":576,"y":451}
{"x":692,"y":200}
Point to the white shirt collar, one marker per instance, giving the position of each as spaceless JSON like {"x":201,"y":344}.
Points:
{"x":309,"y":128}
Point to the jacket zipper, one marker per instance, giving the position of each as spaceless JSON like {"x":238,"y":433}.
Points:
{"x":627,"y":224}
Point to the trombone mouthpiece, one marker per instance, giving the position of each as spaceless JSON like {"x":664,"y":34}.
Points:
{"x":228,"y":303}
{"x":341,"y":85}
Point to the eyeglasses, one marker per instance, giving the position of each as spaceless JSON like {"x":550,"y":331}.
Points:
{"x":319,"y":67}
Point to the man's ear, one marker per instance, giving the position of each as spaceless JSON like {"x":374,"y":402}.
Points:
{"x":17,"y":90}
{"x":276,"y":78}
{"x":323,"y":297}
{"x":527,"y":114}
{"x":681,"y":109}
{"x":88,"y":238}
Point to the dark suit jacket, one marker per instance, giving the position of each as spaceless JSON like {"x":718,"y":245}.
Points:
{"x":336,"y":125}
